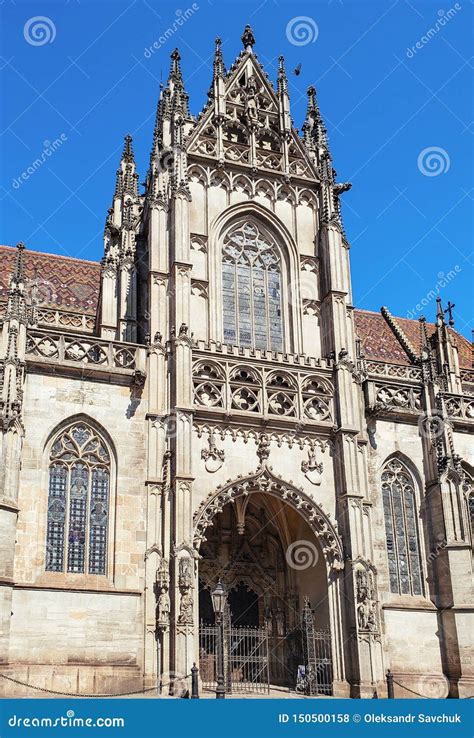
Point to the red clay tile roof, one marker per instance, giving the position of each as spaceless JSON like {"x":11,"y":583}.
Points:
{"x":73,"y":284}
{"x":381,"y":344}
{"x":378,"y":340}
{"x":58,"y":281}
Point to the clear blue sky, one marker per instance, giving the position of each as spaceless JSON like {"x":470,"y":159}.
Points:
{"x":384,"y":104}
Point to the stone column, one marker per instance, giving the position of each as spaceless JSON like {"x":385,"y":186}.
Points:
{"x":183,"y":582}
{"x":11,"y":442}
{"x":362,"y":647}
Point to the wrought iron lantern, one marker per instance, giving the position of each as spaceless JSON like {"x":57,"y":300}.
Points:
{"x":219,"y":596}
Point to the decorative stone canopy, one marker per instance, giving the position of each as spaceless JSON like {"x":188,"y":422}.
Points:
{"x":265,"y":481}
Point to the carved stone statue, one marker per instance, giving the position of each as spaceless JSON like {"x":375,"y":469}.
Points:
{"x":185,"y":572}
{"x":164,"y":606}
{"x":186,"y":609}
{"x":163,"y":600}
{"x":366,"y":603}
{"x":251,"y":101}
{"x":263,"y":449}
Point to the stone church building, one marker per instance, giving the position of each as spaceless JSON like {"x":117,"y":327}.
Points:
{"x":207,"y":404}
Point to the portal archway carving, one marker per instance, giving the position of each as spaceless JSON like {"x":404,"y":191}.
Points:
{"x":264,"y":480}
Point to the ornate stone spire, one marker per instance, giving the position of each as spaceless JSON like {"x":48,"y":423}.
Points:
{"x":439,"y":313}
{"x":282,"y":83}
{"x":126,"y":180}
{"x":284,"y":107}
{"x":14,"y":345}
{"x":444,"y":342}
{"x":218,"y":65}
{"x":128,"y":155}
{"x":17,"y":278}
{"x":175,"y":97}
{"x":314,"y":130}
{"x":248,"y":39}
{"x":129,"y":175}
{"x":175,"y":74}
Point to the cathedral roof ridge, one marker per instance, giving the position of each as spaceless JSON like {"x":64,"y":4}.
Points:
{"x":381,"y":342}
{"x":400,"y":334}
{"x":50,"y":254}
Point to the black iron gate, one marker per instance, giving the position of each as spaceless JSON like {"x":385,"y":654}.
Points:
{"x":314,"y":674}
{"x":246,"y":658}
{"x":299,"y":660}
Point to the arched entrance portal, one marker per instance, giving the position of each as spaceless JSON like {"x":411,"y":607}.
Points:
{"x":274,"y":550}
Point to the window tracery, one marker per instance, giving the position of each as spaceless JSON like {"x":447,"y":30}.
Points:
{"x":398,"y":494}
{"x":208,"y":385}
{"x":282,"y":394}
{"x":78,"y":502}
{"x":316,"y":403}
{"x":246,"y":390}
{"x":251,"y":288}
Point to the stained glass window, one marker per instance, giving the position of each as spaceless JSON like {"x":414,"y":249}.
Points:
{"x":251,"y":289}
{"x":78,"y":502}
{"x":401,"y":530}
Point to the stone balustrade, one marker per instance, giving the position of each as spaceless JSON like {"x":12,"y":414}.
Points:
{"x":66,"y":349}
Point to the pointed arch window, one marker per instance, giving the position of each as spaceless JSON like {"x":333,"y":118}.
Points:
{"x":78,"y":502}
{"x":251,"y":288}
{"x":403,"y":549}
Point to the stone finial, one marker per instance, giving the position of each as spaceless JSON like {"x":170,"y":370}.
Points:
{"x":312,"y":104}
{"x":248,"y":39}
{"x":175,"y":69}
{"x":439,"y":312}
{"x":17,"y":275}
{"x":282,"y":78}
{"x":128,"y":155}
{"x":219,"y":69}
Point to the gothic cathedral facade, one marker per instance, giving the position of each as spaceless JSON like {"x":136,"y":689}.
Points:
{"x":207,"y":404}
